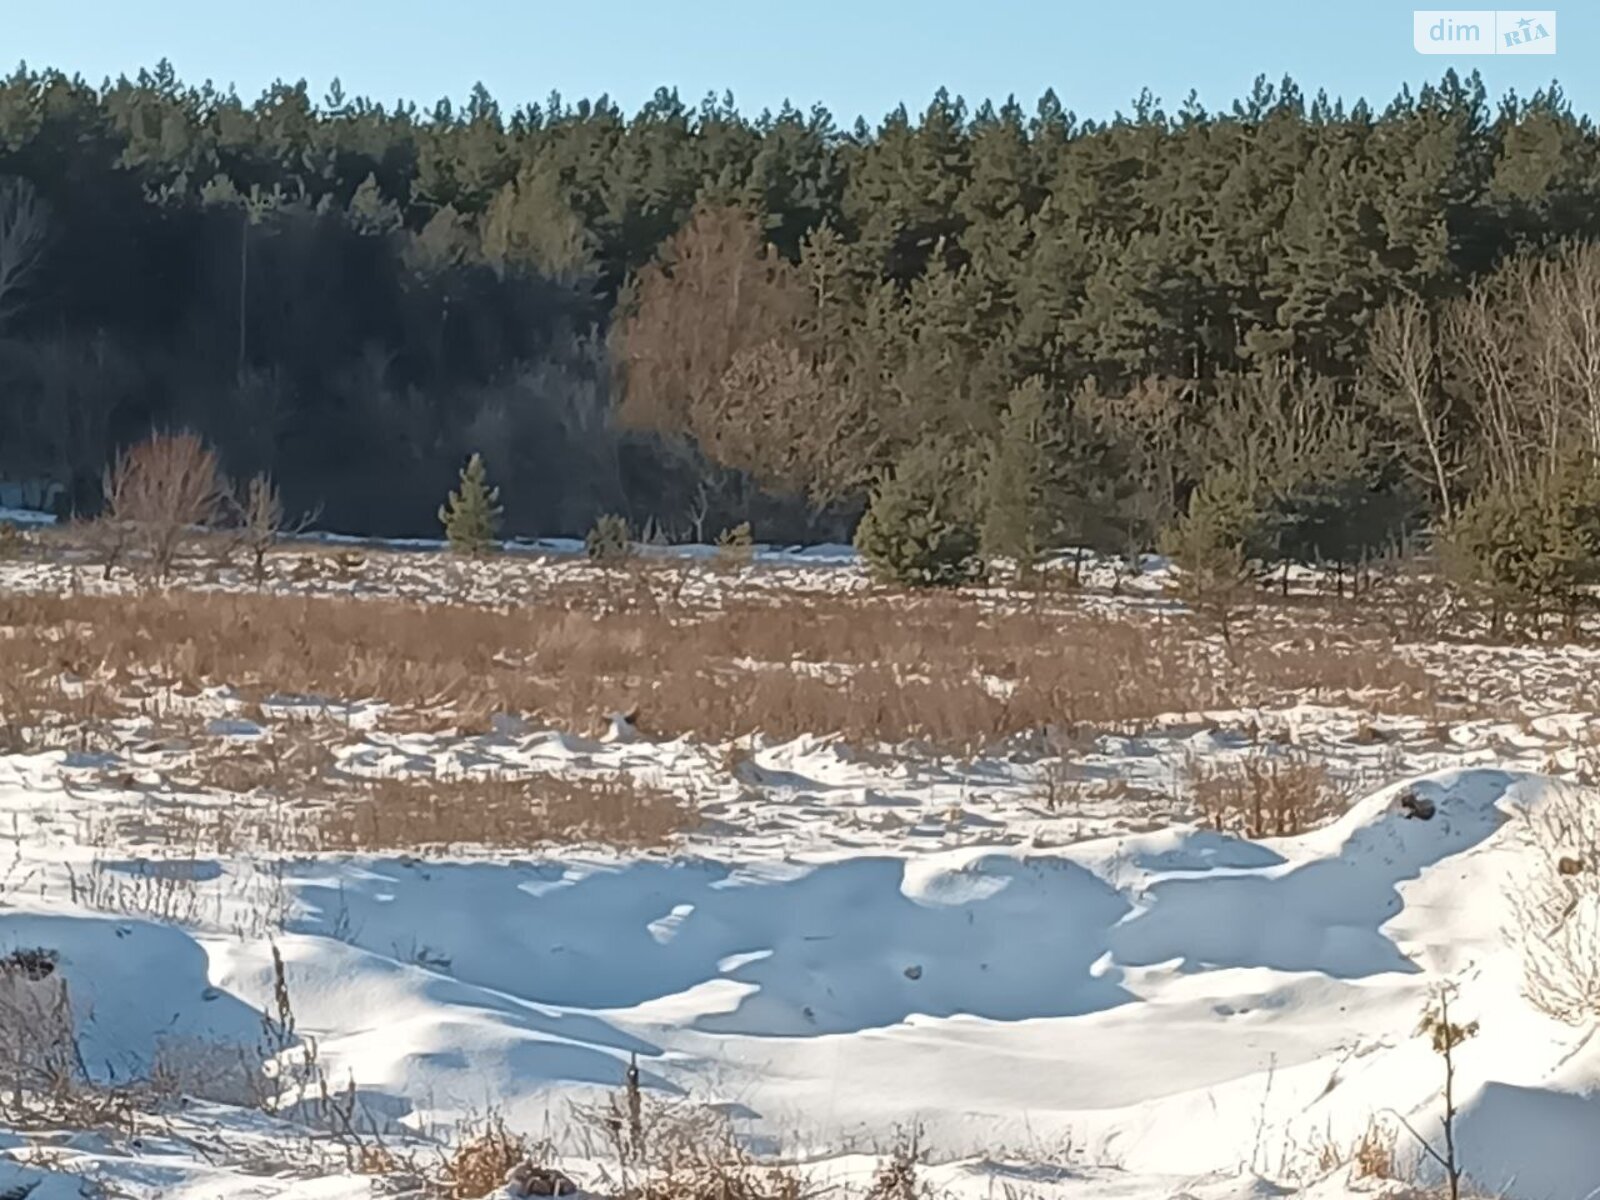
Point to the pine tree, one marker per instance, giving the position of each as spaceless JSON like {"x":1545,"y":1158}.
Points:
{"x":472,"y":514}
{"x":1025,"y":496}
{"x":1532,"y":551}
{"x":920,"y":529}
{"x":387,"y":273}
{"x":736,"y":547}
{"x":1216,"y":546}
{"x":609,"y":540}
{"x":529,"y":225}
{"x":370,"y":212}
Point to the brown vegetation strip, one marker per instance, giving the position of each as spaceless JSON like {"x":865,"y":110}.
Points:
{"x":947,"y":669}
{"x":409,"y":814}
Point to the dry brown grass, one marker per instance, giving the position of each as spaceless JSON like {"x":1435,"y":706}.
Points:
{"x":423,"y":813}
{"x":294,"y":762}
{"x":482,"y":1158}
{"x":651,"y":1147}
{"x":897,"y":1176}
{"x":324,"y":810}
{"x":717,"y":1171}
{"x":1337,"y":665}
{"x":1264,"y":796}
{"x":945,"y":670}
{"x":43,"y":1082}
{"x":1374,"y":1154}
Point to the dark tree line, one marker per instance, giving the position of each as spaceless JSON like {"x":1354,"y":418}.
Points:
{"x":1075,"y":331}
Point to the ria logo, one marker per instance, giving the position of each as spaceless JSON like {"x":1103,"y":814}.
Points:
{"x":1529,"y":30}
{"x":1483,"y":31}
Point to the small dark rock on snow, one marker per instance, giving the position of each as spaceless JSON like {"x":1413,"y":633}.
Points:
{"x":1416,"y":807}
{"x":528,"y":1178}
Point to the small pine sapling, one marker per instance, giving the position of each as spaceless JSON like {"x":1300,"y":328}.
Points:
{"x":736,"y":547}
{"x":610,"y":540}
{"x":471,"y":515}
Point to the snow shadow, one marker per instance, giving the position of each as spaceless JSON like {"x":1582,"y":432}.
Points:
{"x":833,"y":948}
{"x":1325,"y":915}
{"x":134,"y":986}
{"x":1538,"y":1141}
{"x":782,"y":949}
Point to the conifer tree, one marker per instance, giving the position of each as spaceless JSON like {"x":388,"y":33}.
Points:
{"x":528,"y":224}
{"x":382,"y":275}
{"x":1533,"y":551}
{"x":1216,"y":546}
{"x":472,"y":513}
{"x":920,"y":530}
{"x":1024,"y":494}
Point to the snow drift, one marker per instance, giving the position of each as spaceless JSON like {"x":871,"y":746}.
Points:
{"x":1179,"y":1003}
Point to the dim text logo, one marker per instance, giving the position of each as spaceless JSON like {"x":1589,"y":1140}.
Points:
{"x":1483,"y":31}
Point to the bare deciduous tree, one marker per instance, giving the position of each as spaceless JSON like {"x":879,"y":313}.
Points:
{"x":1447,"y":1037}
{"x":1525,"y":346}
{"x":779,"y":416}
{"x":718,"y":290}
{"x":1147,"y":426}
{"x":24,"y":228}
{"x":107,"y":540}
{"x":1483,"y":349}
{"x":261,"y":511}
{"x":260,"y":515}
{"x":63,"y":389}
{"x":160,"y":490}
{"x":1402,"y":352}
{"x":724,"y":345}
{"x":1564,"y":321}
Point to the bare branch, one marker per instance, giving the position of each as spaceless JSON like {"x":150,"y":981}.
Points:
{"x":259,"y":511}
{"x":24,"y":229}
{"x":1402,"y":352}
{"x":161,"y":489}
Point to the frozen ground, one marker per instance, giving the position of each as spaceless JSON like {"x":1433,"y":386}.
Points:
{"x":1033,"y":955}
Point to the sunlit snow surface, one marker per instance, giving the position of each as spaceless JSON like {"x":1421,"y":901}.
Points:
{"x":1101,"y":1002}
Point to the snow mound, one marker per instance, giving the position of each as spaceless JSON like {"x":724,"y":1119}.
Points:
{"x":1187,"y":1005}
{"x":137,"y":989}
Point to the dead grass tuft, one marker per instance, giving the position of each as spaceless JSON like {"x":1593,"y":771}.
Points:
{"x":655,"y":1148}
{"x":1263,"y":795}
{"x":896,"y":1178}
{"x":1374,"y":1153}
{"x":406,"y":813}
{"x":43,"y":1082}
{"x":482,"y":1160}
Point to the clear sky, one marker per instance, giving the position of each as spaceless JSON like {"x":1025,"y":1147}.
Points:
{"x":854,"y":56}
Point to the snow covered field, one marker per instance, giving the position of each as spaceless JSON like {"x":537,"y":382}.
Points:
{"x":1159,"y":948}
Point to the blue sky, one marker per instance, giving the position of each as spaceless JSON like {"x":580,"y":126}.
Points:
{"x":855,"y":56}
